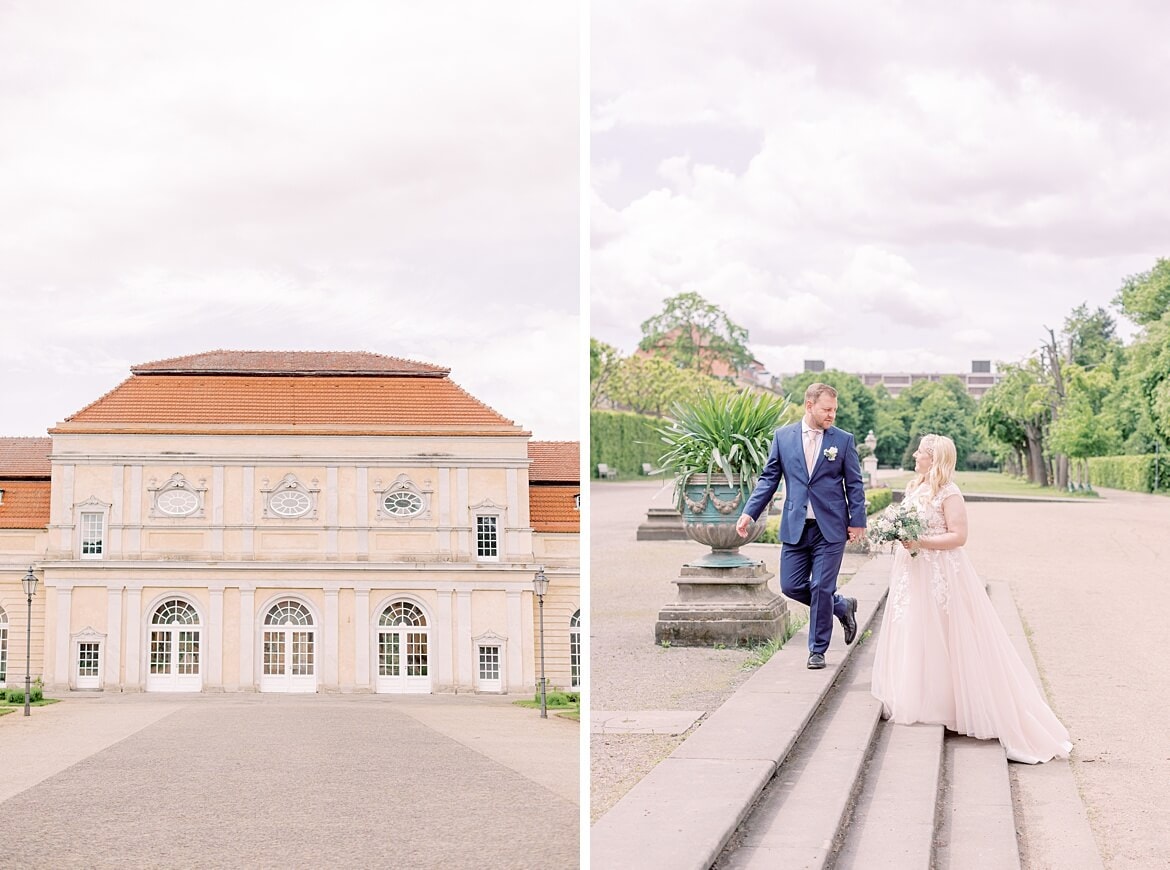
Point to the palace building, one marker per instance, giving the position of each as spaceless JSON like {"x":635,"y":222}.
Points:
{"x":290,"y":522}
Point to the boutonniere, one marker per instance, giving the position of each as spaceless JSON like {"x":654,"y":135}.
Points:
{"x":831,"y":453}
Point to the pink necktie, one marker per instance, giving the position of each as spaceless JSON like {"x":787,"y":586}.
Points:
{"x":810,"y":450}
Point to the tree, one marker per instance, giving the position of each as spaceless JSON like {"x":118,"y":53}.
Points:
{"x":651,"y":385}
{"x":1145,"y":297}
{"x":943,"y":414}
{"x":1091,"y":339}
{"x":856,"y":405}
{"x":1016,"y":412}
{"x":604,"y":363}
{"x":1084,"y":427}
{"x":695,"y":334}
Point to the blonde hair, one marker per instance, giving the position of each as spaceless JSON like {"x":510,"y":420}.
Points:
{"x":942,"y":469}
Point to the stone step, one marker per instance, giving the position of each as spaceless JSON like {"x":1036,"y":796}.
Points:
{"x":796,"y":820}
{"x":892,"y":825}
{"x":682,"y":814}
{"x":977,"y":826}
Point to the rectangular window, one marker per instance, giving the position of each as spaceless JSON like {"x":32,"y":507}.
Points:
{"x":87,"y":659}
{"x":489,"y":663}
{"x":486,"y":538}
{"x":91,"y":536}
{"x":575,"y":658}
{"x":3,"y":652}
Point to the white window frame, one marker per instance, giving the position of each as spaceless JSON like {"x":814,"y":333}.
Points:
{"x":402,"y":483}
{"x":491,"y":639}
{"x":290,"y":482}
{"x":575,"y":658}
{"x":177,"y":482}
{"x":87,"y":635}
{"x":494,"y":519}
{"x":90,"y":507}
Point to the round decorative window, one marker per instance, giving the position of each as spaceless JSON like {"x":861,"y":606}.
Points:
{"x":402,"y":503}
{"x":177,"y":502}
{"x":289,"y":503}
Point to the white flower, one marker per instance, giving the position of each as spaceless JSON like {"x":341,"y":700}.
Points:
{"x":831,"y":453}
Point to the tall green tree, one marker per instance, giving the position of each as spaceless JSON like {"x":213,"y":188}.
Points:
{"x":856,"y":405}
{"x":941,"y":412}
{"x":1145,"y":297}
{"x":1016,"y":412}
{"x":696,"y":334}
{"x":605,"y":361}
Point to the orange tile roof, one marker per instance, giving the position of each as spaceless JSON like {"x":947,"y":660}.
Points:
{"x":25,"y":457}
{"x":25,"y":504}
{"x":396,"y":400}
{"x":554,"y":461}
{"x":552,"y":508}
{"x":289,"y":362}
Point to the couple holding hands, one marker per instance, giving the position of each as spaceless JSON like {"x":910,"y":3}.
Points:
{"x":943,"y":656}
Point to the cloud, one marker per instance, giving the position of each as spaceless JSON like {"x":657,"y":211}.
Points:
{"x":291,"y":176}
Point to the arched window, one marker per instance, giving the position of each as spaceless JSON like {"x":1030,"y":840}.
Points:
{"x":175,"y":634}
{"x":575,"y":650}
{"x":290,"y":640}
{"x":403,"y":649}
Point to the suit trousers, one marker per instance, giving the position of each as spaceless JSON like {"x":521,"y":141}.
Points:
{"x":808,"y":574}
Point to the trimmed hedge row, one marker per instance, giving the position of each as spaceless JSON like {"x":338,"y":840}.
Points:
{"x":16,"y":696}
{"x":623,"y":441}
{"x":1149,"y":472}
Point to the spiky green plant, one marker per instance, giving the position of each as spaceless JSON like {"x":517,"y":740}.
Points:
{"x":722,"y":432}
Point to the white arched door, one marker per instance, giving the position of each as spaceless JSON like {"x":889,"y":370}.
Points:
{"x":290,"y":654}
{"x":403,"y":650}
{"x":175,"y":634}
{"x":575,"y":650}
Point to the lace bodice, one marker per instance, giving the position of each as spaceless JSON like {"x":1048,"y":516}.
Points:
{"x":930,"y":509}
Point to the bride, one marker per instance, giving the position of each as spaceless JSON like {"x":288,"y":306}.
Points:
{"x":943,"y":657}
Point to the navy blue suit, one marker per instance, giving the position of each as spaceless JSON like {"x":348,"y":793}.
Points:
{"x":811,"y":556}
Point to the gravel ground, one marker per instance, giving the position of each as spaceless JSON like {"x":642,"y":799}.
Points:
{"x":1089,"y":578}
{"x":630,"y":580}
{"x":310,"y":782}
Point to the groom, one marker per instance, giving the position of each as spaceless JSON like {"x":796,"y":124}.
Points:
{"x":824,"y":503}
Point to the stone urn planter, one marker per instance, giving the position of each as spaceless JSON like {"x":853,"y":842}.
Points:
{"x":711,"y":506}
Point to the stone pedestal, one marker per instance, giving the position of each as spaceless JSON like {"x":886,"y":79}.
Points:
{"x":730,"y":606}
{"x":662,"y":524}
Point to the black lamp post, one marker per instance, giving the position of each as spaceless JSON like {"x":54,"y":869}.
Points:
{"x":29,"y":582}
{"x":540,"y":587}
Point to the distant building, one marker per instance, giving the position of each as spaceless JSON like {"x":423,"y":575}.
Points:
{"x":977,"y":381}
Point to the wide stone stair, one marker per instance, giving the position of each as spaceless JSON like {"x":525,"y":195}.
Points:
{"x":798,"y":770}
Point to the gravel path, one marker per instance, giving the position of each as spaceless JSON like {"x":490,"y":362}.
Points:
{"x":262,"y":781}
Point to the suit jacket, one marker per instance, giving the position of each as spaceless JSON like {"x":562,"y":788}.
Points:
{"x":835,"y":486}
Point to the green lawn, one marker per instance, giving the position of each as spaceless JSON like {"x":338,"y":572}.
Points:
{"x":990,"y":482}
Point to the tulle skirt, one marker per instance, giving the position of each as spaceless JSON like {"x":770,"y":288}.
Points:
{"x":943,"y":657}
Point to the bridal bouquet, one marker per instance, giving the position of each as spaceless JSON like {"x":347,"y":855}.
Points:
{"x":897,"y":523}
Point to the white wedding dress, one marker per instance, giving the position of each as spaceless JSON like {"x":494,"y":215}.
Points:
{"x":943,"y":656}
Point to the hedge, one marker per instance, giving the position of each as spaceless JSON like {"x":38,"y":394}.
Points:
{"x":16,"y":696}
{"x":1133,"y":473}
{"x":623,"y":441}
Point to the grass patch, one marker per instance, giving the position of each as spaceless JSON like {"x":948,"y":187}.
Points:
{"x":991,"y":483}
{"x":566,"y":705}
{"x":5,"y":708}
{"x":759,"y":654}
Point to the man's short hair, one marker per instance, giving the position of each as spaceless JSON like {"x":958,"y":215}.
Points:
{"x":815,"y":391}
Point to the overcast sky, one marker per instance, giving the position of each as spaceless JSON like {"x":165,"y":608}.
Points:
{"x":887,"y":186}
{"x":394,"y":177}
